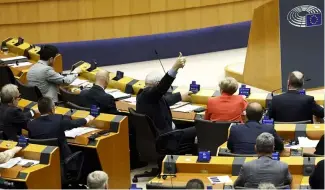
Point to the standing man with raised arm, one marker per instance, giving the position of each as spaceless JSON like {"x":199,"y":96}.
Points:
{"x":42,"y":74}
{"x":153,"y":101}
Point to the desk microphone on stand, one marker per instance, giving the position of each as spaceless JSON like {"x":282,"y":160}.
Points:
{"x":162,"y":66}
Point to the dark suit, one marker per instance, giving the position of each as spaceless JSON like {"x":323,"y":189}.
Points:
{"x":96,"y":95}
{"x":316,"y":180}
{"x":53,"y":126}
{"x":242,"y":138}
{"x":263,"y":170}
{"x":320,"y":146}
{"x":13,"y":120}
{"x":152,"y":102}
{"x":292,"y":106}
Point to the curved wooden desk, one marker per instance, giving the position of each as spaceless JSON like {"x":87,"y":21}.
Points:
{"x":132,"y":86}
{"x":46,"y":175}
{"x":109,"y":153}
{"x":188,"y":168}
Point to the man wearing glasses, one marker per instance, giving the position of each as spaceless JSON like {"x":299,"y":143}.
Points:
{"x":12,"y":118}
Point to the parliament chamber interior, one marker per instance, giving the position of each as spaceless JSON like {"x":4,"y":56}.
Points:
{"x":162,"y":94}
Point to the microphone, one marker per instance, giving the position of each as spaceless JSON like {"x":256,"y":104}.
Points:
{"x":272,"y":92}
{"x":157,"y":55}
{"x":162,"y":66}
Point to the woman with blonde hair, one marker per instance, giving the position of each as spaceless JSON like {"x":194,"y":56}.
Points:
{"x":227,"y":106}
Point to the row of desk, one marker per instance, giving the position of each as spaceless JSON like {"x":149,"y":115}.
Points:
{"x":126,"y":84}
{"x":187,"y":167}
{"x":109,"y":153}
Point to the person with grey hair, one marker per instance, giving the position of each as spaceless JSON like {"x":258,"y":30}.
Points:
{"x":12,"y":118}
{"x":263,"y":186}
{"x":154,"y":101}
{"x":244,"y":144}
{"x":292,"y":106}
{"x":264,"y":169}
{"x":97,"y":180}
{"x":227,"y":106}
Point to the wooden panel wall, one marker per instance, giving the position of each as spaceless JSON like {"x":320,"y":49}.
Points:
{"x":41,"y":21}
{"x":263,"y":57}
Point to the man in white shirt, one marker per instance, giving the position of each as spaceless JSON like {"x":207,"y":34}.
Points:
{"x":43,"y":75}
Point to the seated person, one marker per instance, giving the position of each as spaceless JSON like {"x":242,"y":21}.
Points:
{"x":195,"y":184}
{"x":316,"y":179}
{"x":51,"y":125}
{"x":8,"y":154}
{"x":264,"y":169}
{"x":244,"y":144}
{"x":12,"y":118}
{"x":226,"y":107}
{"x":97,"y":180}
{"x":42,"y":74}
{"x":96,"y":95}
{"x":153,"y":101}
{"x":320,"y":146}
{"x":292,"y":106}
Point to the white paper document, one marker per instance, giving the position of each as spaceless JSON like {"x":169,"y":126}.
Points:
{"x":178,"y":104}
{"x":13,"y":58}
{"x":78,"y":82}
{"x":186,"y":108}
{"x":219,"y":179}
{"x":21,"y":64}
{"x":11,"y":163}
{"x":25,"y":161}
{"x":78,"y":131}
{"x":132,"y":100}
{"x":118,"y":94}
{"x":307,"y":143}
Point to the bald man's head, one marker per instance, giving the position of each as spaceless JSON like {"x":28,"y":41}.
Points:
{"x":254,"y":111}
{"x":296,"y":80}
{"x":102,"y":78}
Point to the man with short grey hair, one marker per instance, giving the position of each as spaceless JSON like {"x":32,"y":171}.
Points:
{"x":97,"y":180}
{"x":292,"y":106}
{"x":12,"y":118}
{"x":264,"y":169}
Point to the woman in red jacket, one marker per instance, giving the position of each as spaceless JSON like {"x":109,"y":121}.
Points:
{"x":226,"y":107}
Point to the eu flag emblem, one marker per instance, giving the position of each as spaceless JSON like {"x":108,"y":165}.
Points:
{"x":314,"y":19}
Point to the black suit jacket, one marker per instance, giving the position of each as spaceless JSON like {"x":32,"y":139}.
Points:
{"x":53,"y":126}
{"x":13,"y":120}
{"x":320,"y":146}
{"x":96,"y":95}
{"x":153,"y":102}
{"x":242,"y":138}
{"x":316,"y":180}
{"x":292,"y":106}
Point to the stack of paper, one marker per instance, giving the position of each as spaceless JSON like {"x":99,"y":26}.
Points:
{"x":178,"y":104}
{"x":14,"y":59}
{"x":21,"y":64}
{"x":131,"y":100}
{"x":307,"y":143}
{"x":11,"y":163}
{"x":186,"y":108}
{"x":117,"y":94}
{"x":79,"y":82}
{"x":219,"y":179}
{"x":25,"y":161}
{"x":78,"y":131}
